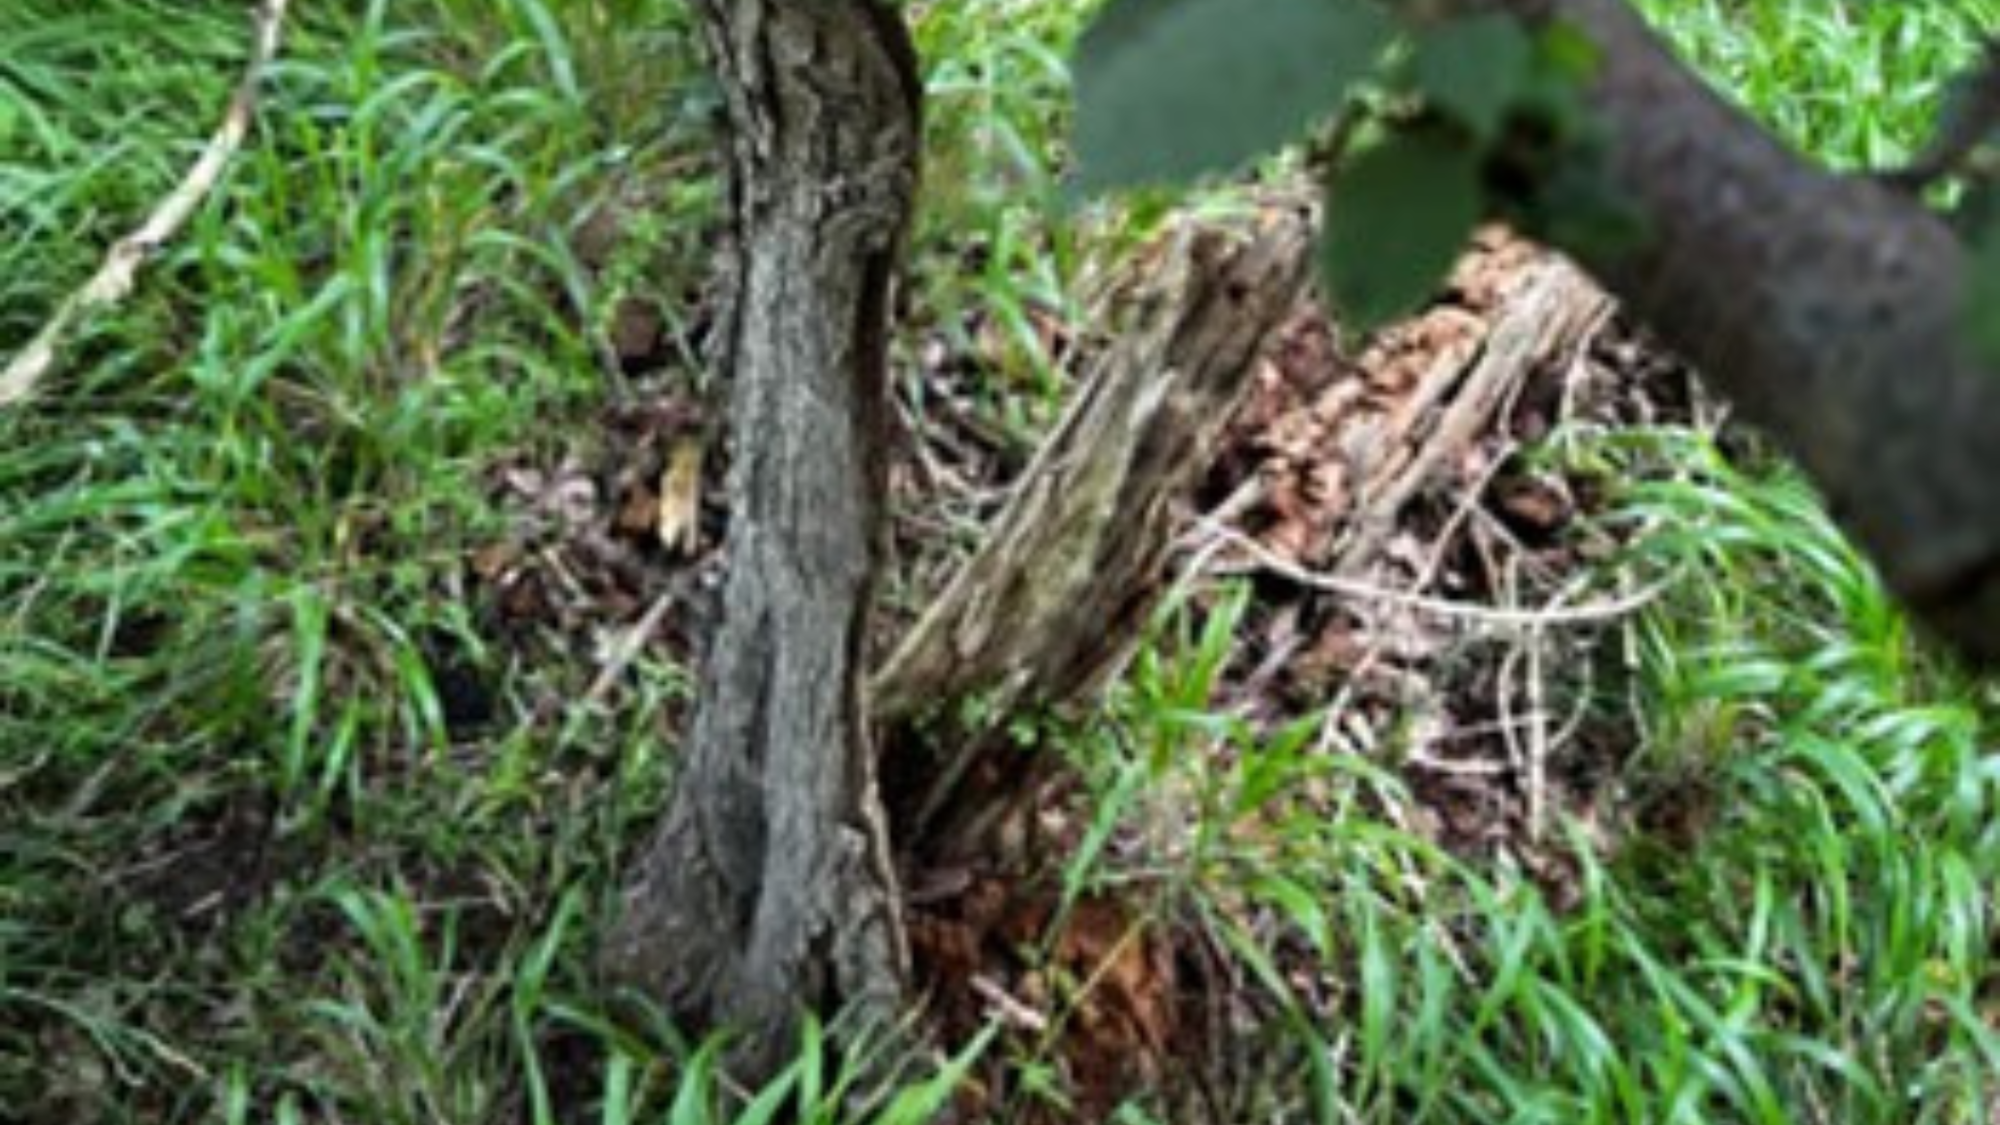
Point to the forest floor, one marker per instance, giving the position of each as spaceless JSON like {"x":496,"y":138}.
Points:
{"x":1517,"y":740}
{"x":1412,"y":577}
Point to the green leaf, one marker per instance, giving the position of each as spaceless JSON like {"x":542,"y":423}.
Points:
{"x":1980,"y":314}
{"x":1397,"y":218}
{"x":1568,"y":51}
{"x":1977,"y":209}
{"x":1169,"y":90}
{"x":1475,"y":69}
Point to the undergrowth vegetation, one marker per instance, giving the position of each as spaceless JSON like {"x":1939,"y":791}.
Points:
{"x":250,"y":862}
{"x":1795,"y":925}
{"x":266,"y":856}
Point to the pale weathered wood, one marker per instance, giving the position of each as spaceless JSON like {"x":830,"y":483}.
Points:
{"x":1551,"y":313}
{"x":1071,"y":569}
{"x":119,"y":271}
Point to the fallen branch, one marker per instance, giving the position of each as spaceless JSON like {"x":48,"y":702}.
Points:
{"x":115,"y":277}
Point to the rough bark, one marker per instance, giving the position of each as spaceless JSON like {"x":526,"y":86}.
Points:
{"x":1826,"y":306}
{"x":1070,"y":571}
{"x":767,"y":889}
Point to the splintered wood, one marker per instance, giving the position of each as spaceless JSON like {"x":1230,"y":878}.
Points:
{"x":1370,"y":492}
{"x":1340,"y":459}
{"x":1071,"y":568}
{"x":1555,"y":310}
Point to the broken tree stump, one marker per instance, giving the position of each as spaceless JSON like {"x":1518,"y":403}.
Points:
{"x":1053,"y":600}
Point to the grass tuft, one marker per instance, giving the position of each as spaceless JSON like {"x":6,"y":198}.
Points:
{"x":233,"y":536}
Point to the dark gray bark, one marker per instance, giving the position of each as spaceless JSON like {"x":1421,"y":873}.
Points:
{"x":767,"y":890}
{"x":1826,"y":306}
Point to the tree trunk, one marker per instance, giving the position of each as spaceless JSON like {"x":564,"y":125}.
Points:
{"x":1826,"y":306}
{"x":767,"y":889}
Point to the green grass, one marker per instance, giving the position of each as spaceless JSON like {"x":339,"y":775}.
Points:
{"x":1797,"y":923}
{"x":994,"y":246}
{"x":245,"y":857}
{"x":1858,"y":84}
{"x":1817,"y":949}
{"x":253,"y":867}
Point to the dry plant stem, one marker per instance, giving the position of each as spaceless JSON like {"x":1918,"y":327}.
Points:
{"x":1432,"y":565}
{"x":1005,"y":1008}
{"x":1534,"y":754}
{"x":1496,"y":617}
{"x":1531,"y":760}
{"x":119,"y":271}
{"x":625,"y":650}
{"x":1539,"y":744}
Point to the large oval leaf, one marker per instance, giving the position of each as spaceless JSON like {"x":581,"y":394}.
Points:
{"x":1398,"y":216}
{"x":1168,"y":90}
{"x":1474,"y":69}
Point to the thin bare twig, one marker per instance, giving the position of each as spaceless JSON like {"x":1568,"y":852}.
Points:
{"x":1263,"y":558}
{"x":626,"y":649}
{"x":1434,"y":564}
{"x":1005,"y":1008}
{"x":118,"y":272}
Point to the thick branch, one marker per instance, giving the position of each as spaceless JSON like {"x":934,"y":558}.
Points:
{"x":1827,"y":307}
